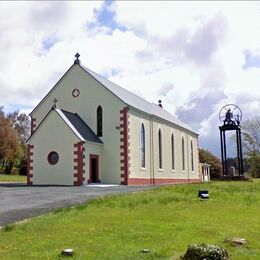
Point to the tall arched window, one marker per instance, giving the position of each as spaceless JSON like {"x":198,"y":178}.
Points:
{"x":183,"y":154}
{"x":142,"y":146}
{"x":160,"y":148}
{"x":191,"y":153}
{"x":99,"y":121}
{"x":173,"y":152}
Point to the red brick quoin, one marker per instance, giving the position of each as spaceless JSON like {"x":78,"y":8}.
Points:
{"x":79,"y":163}
{"x":33,"y":124}
{"x":124,"y":145}
{"x":29,"y":164}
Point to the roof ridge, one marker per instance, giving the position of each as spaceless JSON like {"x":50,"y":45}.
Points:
{"x":136,"y":101}
{"x":86,"y":68}
{"x":63,"y":110}
{"x":78,"y":117}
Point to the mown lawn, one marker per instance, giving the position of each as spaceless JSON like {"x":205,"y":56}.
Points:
{"x":163,"y":220}
{"x":12,"y":178}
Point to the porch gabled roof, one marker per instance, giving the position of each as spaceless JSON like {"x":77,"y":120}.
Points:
{"x":75,"y":123}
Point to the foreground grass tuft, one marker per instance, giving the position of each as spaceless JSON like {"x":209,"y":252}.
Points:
{"x":164,"y":221}
{"x":8,"y":228}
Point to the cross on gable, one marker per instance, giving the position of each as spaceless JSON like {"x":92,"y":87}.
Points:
{"x":77,"y":61}
{"x":77,"y":55}
{"x":55,"y":101}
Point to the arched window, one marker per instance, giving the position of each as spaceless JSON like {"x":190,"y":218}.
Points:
{"x":191,"y":153}
{"x":173,"y":152}
{"x":183,"y":154}
{"x":99,"y":121}
{"x":160,"y":148}
{"x":142,"y":146}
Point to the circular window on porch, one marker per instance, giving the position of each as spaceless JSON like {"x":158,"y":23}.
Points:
{"x":53,"y":158}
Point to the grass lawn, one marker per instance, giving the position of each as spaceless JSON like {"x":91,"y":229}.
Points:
{"x":12,"y":178}
{"x":163,"y":220}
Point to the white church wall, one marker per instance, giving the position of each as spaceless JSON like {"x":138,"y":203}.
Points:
{"x":177,"y":173}
{"x":166,"y":171}
{"x":92,"y":94}
{"x":53,"y":135}
{"x":136,"y":169}
{"x":152,"y":170}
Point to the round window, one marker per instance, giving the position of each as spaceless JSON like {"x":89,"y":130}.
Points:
{"x":53,"y":158}
{"x":75,"y":93}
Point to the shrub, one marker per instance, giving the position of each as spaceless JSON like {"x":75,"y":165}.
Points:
{"x":205,"y":252}
{"x":8,"y":228}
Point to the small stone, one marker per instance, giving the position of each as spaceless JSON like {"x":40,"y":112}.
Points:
{"x":145,"y":250}
{"x":237,"y":241}
{"x":67,"y":252}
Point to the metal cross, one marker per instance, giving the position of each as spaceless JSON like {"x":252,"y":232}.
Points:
{"x":77,"y":61}
{"x":77,"y":55}
{"x":55,"y":100}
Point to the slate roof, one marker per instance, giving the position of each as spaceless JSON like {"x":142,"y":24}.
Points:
{"x":78,"y":126}
{"x":137,"y":102}
{"x":129,"y":98}
{"x":75,"y":123}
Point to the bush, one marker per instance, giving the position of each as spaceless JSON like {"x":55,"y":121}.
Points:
{"x":23,"y":170}
{"x":22,"y":166}
{"x":205,"y":252}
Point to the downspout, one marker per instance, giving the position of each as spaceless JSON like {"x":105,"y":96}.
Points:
{"x":188,"y":158}
{"x":151,"y":153}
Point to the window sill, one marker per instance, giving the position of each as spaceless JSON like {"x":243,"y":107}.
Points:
{"x":142,"y":169}
{"x":173,"y":171}
{"x":160,"y":170}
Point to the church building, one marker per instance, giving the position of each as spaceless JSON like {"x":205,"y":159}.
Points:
{"x":87,"y":129}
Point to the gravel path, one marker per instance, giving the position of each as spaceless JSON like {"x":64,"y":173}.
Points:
{"x":19,"y":202}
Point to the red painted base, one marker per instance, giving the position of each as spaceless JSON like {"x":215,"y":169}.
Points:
{"x":142,"y":181}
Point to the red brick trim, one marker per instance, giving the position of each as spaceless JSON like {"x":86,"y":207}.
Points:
{"x":30,"y":164}
{"x":33,"y":124}
{"x":124,"y":146}
{"x":142,"y":181}
{"x":93,"y":156}
{"x":79,"y":171}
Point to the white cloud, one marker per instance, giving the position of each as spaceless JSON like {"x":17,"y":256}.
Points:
{"x":197,"y":47}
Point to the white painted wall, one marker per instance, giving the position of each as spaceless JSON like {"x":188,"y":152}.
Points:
{"x":53,"y":135}
{"x":136,"y":120}
{"x":152,"y":126}
{"x":92,"y":94}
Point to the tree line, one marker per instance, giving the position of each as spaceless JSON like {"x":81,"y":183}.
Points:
{"x":14,"y":131}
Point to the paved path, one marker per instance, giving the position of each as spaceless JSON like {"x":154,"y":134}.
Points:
{"x":19,"y":202}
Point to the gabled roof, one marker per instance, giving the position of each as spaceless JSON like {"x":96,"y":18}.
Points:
{"x":81,"y":127}
{"x":128,"y":98}
{"x":135,"y":101}
{"x":75,"y":123}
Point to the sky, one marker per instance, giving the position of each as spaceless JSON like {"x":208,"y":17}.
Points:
{"x":194,"y":56}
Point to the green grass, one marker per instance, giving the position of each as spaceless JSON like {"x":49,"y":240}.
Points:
{"x":163,"y":220}
{"x":12,"y":178}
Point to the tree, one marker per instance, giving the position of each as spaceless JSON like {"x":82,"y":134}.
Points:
{"x":21,"y":124}
{"x":9,"y":144}
{"x":215,"y":163}
{"x":251,"y":144}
